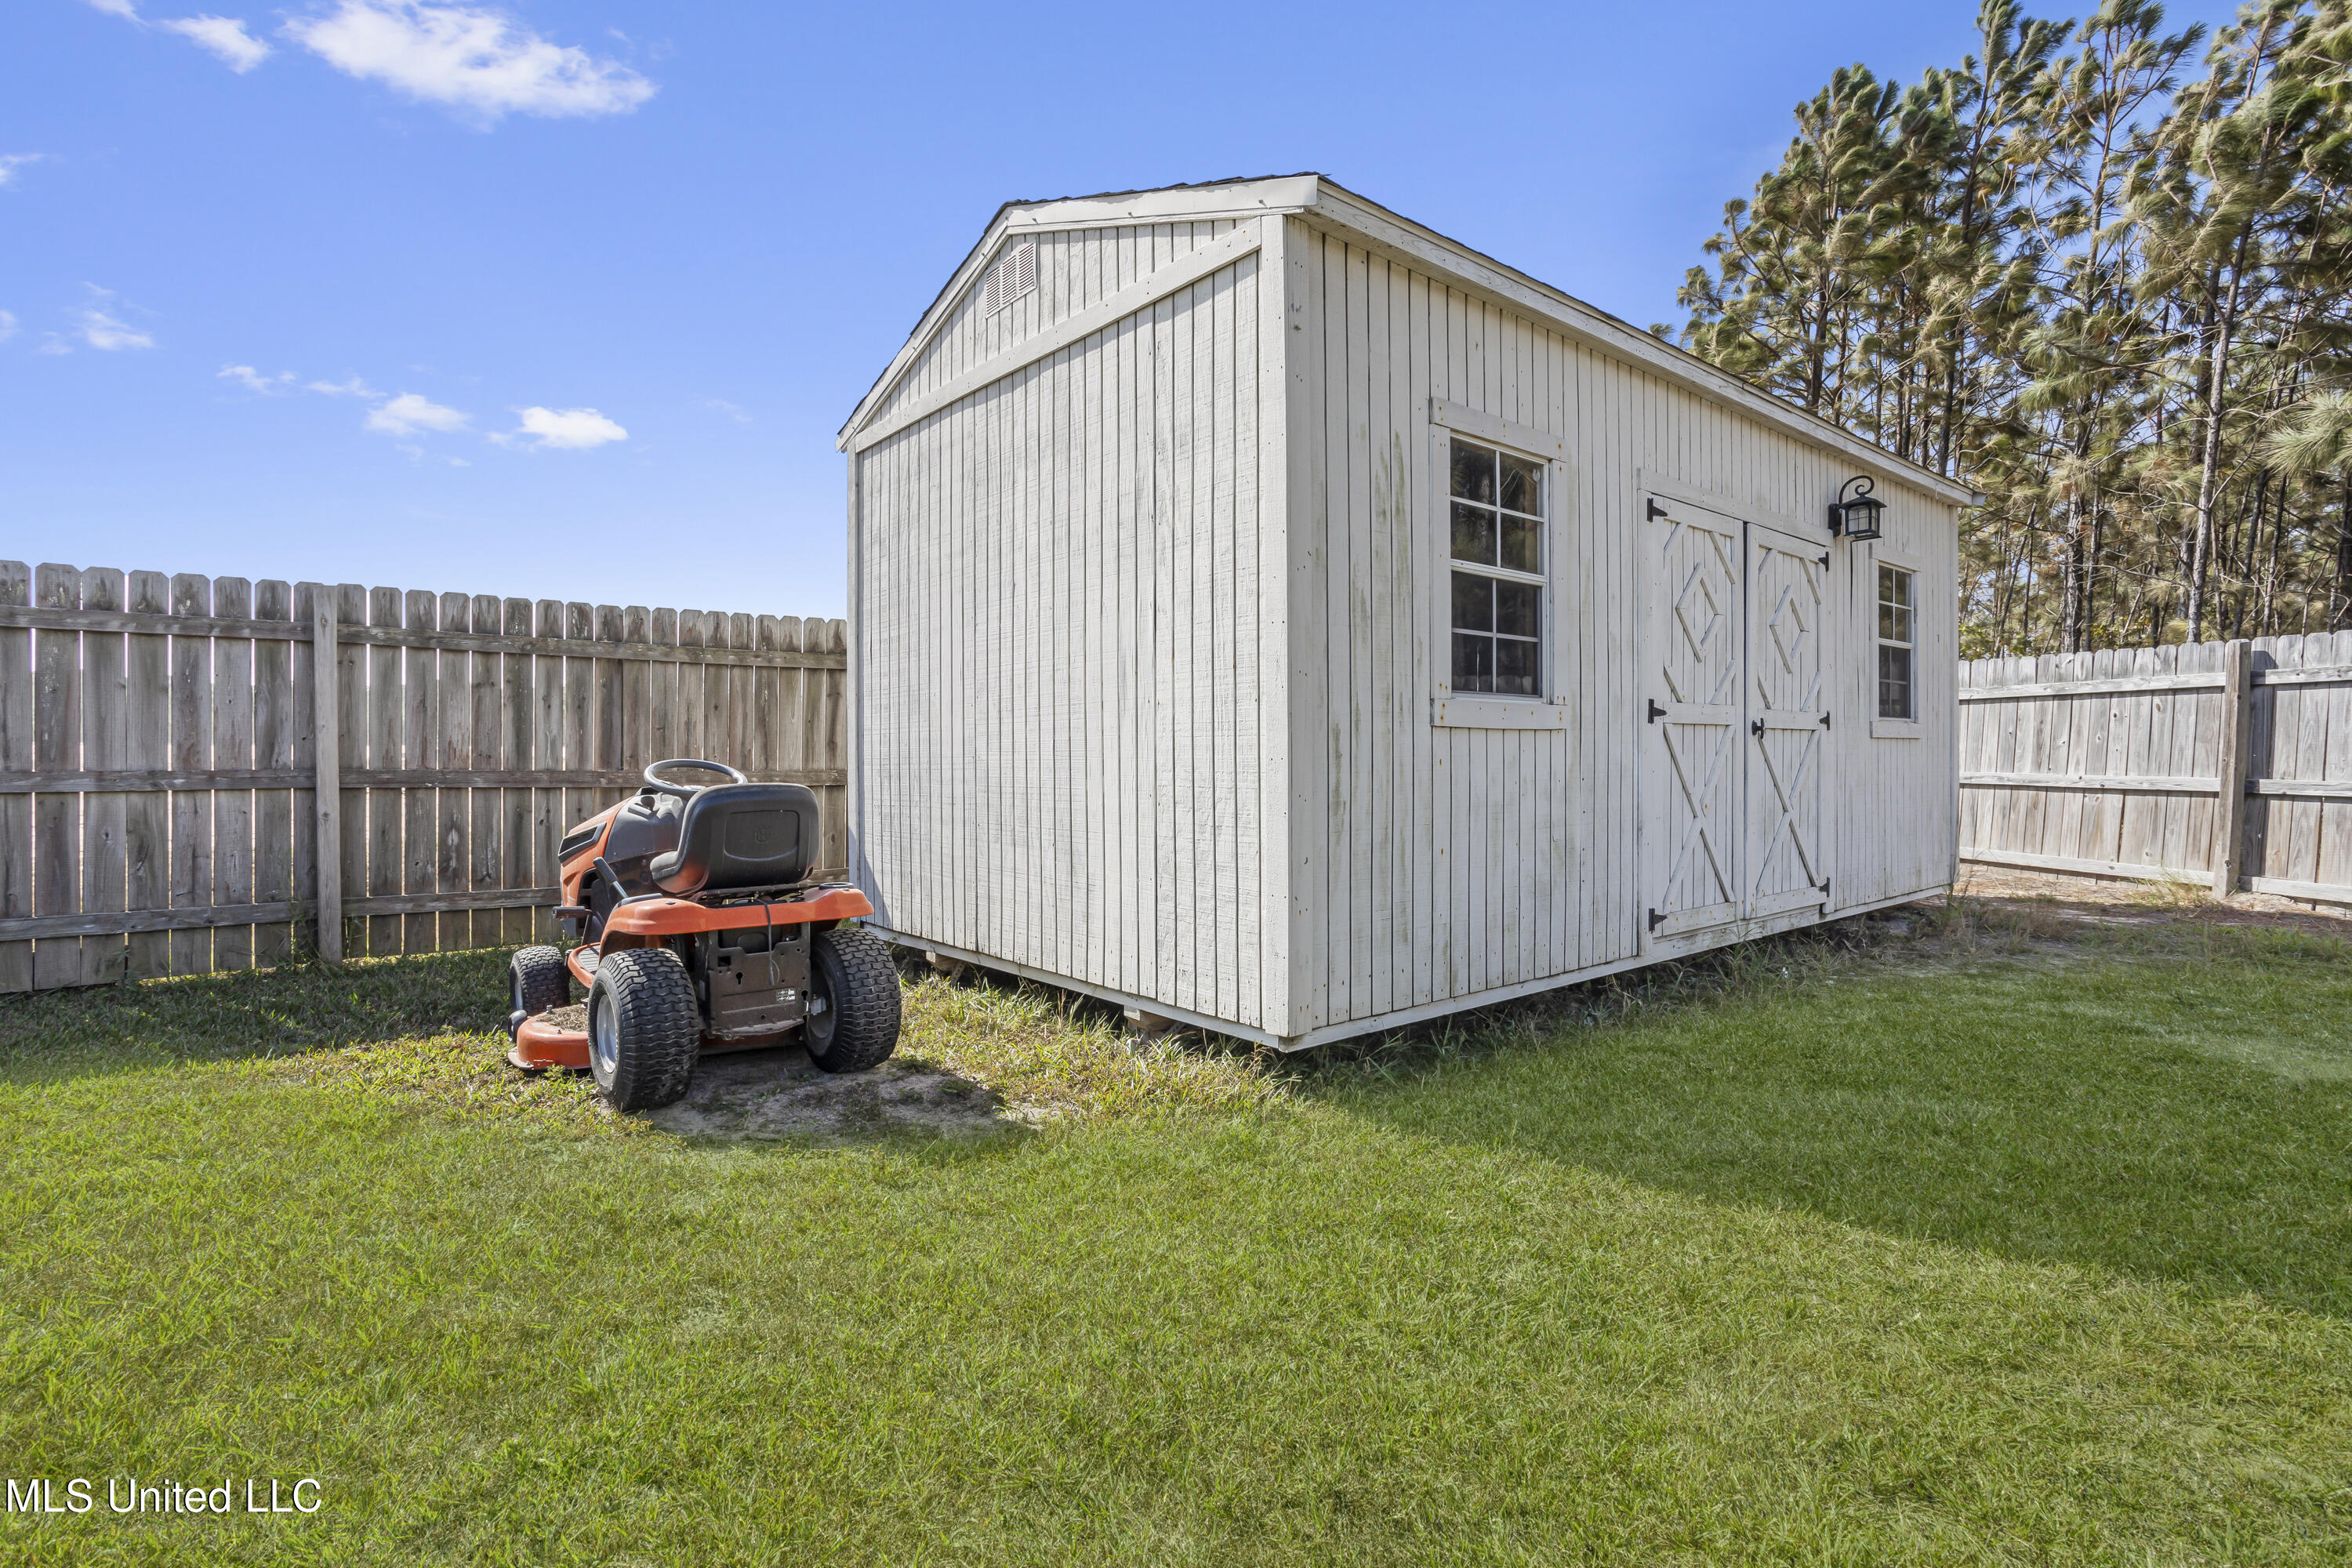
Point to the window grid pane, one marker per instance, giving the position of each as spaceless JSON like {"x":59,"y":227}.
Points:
{"x":1474,"y":534}
{"x":1473,"y":662}
{"x":1474,"y":472}
{"x":1522,"y":544}
{"x":1894,"y":681}
{"x":1497,"y":624}
{"x":1521,"y":489}
{"x":1474,"y":603}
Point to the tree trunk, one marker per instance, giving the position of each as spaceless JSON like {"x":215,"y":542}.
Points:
{"x":2209,"y":468}
{"x":2270,"y":570}
{"x":2071,"y":575}
{"x":2339,"y":601}
{"x":2090,"y":634}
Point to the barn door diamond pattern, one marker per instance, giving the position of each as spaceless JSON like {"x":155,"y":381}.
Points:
{"x":1732,"y":779}
{"x":1694,"y":790}
{"x":1785,"y":587}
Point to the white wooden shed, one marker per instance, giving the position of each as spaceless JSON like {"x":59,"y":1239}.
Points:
{"x":1272,"y":614}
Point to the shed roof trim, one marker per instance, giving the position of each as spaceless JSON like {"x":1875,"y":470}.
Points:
{"x":1330,"y":205}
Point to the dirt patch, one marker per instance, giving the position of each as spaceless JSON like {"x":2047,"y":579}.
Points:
{"x":780,"y":1093}
{"x":2113,"y":901}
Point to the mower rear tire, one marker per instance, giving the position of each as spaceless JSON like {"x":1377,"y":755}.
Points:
{"x":643,"y":1029}
{"x":536,"y":980}
{"x":850,"y":971}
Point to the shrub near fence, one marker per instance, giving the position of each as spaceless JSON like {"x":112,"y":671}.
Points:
{"x":2227,"y":762}
{"x":161,"y":764}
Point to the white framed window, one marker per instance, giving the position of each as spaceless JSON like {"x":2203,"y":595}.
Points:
{"x":1499,"y":528}
{"x":1898,"y":643}
{"x":1496,"y":547}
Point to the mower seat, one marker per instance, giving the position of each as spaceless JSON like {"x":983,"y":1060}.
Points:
{"x":739,"y":835}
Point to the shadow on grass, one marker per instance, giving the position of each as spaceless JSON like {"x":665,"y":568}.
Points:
{"x":2174,"y":1110}
{"x":280,"y":1012}
{"x":431,"y":1030}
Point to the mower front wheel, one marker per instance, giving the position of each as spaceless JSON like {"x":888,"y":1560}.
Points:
{"x":536,"y":980}
{"x":643,"y":1029}
{"x":851,"y":974}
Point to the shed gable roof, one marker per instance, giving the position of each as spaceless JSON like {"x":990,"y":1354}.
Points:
{"x":1229,"y":200}
{"x":1331,"y":206}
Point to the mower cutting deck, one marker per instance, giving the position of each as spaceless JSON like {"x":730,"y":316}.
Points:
{"x":700,"y":931}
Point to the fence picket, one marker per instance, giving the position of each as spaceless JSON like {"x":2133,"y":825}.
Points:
{"x":517,"y":833}
{"x":274,"y":721}
{"x":232,"y":748}
{"x":105,"y":743}
{"x":2332,"y":851}
{"x":17,"y":756}
{"x":402,"y":701}
{"x":483,"y":815}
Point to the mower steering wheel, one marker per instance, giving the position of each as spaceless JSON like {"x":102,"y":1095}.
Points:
{"x":687,"y":792}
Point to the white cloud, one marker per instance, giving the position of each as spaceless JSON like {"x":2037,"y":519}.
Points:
{"x":355,"y":387}
{"x":574,"y":429}
{"x":225,"y":36}
{"x":476,"y":62}
{"x":720,"y":405}
{"x":244,"y":375}
{"x":101,"y":330}
{"x":409,"y":413}
{"x":7,"y":325}
{"x":12,"y":161}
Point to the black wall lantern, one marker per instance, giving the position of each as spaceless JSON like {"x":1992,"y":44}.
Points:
{"x":1857,"y":518}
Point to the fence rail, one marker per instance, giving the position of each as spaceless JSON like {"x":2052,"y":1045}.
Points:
{"x":2228,"y":763}
{"x":179,"y":793}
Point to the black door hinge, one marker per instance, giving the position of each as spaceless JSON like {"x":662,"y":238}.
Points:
{"x":1826,"y":721}
{"x":1656,"y":919}
{"x":1656,"y":712}
{"x":1825,"y":557}
{"x":1656,"y":512}
{"x":1825,"y":890}
{"x":1757,"y":728}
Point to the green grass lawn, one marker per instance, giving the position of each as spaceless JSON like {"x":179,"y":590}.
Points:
{"x":1977,"y":1249}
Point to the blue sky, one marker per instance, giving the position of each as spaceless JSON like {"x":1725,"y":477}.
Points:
{"x":567,"y":297}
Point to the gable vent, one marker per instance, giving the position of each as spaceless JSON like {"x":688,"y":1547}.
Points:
{"x":1011,"y":278}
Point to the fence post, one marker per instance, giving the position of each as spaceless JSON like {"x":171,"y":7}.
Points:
{"x":327,"y":748}
{"x":2237,"y":731}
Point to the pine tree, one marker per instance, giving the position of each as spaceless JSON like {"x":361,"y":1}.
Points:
{"x":2086,"y":352}
{"x":2113,"y":299}
{"x":2206,"y":204}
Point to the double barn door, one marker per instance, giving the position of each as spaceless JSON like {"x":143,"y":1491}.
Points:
{"x":1735,"y":721}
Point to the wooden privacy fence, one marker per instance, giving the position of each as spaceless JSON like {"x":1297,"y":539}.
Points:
{"x":179,"y":793}
{"x":2223,"y":761}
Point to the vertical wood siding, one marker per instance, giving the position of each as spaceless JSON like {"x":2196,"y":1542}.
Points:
{"x":1076,"y":269}
{"x":1059,"y":598}
{"x":1461,"y":861}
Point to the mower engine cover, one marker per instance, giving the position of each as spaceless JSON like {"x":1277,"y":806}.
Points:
{"x":645,"y":826}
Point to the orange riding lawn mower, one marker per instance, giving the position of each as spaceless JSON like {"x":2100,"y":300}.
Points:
{"x":699,"y":930}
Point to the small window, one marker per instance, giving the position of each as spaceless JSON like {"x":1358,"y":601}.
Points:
{"x":1497,"y":530}
{"x":1894,"y":644}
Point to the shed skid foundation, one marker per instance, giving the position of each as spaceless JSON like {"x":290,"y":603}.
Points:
{"x":1132,"y":1005}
